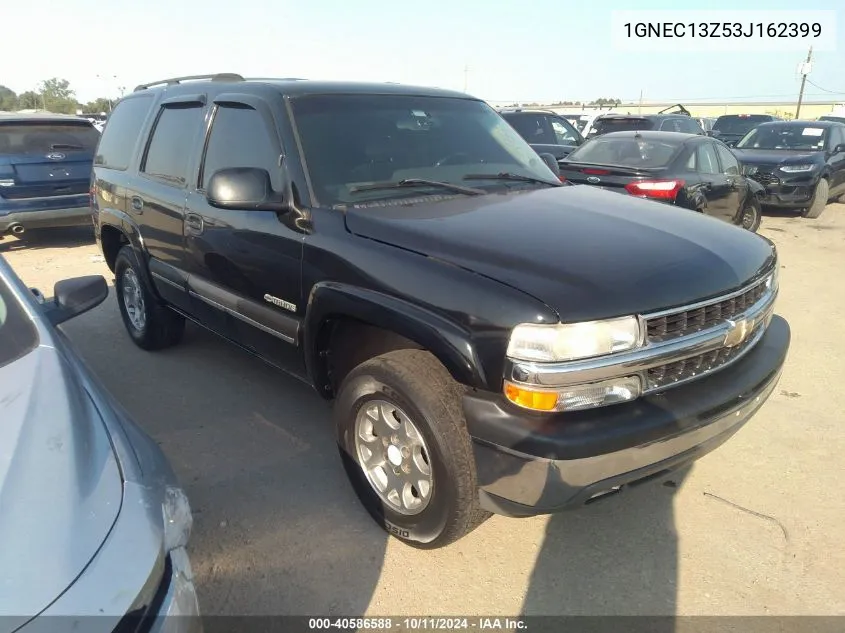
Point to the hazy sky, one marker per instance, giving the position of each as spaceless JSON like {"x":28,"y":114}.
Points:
{"x":532,"y":50}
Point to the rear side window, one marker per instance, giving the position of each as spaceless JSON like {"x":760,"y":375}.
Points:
{"x":239,"y":138}
{"x":121,"y":133}
{"x":172,"y":143}
{"x":37,"y":137}
{"x":739,"y":124}
{"x":690,"y":126}
{"x":533,"y":128}
{"x":730,"y":165}
{"x":706,"y":161}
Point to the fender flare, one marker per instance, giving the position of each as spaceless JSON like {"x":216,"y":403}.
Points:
{"x":121,"y":221}
{"x":451,"y":343}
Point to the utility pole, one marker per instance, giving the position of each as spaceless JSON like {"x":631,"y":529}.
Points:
{"x":805,"y":70}
{"x":466,"y":76}
{"x":640,"y":108}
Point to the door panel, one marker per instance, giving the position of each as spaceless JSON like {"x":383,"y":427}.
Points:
{"x":245,"y":265}
{"x":716,"y":187}
{"x":737,"y":183}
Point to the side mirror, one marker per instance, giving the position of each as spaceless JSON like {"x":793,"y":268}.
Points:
{"x":244,"y":188}
{"x":731,"y":143}
{"x":72,"y":297}
{"x":839,"y":149}
{"x":551,"y":163}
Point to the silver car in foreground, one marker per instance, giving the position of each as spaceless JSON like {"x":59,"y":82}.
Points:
{"x":93,"y":524}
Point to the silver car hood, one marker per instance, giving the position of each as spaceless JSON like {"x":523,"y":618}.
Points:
{"x":60,"y":484}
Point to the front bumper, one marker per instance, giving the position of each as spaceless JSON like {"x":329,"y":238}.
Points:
{"x":38,"y":213}
{"x":791,"y":192}
{"x":529,"y":464}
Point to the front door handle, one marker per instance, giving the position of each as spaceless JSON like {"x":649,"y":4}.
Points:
{"x":194,"y":224}
{"x":137,"y":204}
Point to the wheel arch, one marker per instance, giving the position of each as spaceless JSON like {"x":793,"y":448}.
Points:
{"x":346,"y":325}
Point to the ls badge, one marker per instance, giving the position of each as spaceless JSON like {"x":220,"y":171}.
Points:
{"x":280,"y":302}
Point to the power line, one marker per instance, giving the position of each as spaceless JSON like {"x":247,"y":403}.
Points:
{"x":833,"y":92}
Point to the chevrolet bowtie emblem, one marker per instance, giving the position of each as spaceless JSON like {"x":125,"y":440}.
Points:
{"x":737,"y":332}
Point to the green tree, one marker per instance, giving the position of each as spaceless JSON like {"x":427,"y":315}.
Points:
{"x":98,"y":105}
{"x":8,"y":99}
{"x":606,"y":102}
{"x":57,"y":96}
{"x":29,"y":100}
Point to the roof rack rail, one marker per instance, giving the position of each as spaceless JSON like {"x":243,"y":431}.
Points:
{"x":178,"y":80}
{"x":274,"y":79}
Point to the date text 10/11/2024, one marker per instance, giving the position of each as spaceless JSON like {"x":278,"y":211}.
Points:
{"x":420,"y":623}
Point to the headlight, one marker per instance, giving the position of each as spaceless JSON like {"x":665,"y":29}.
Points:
{"x":796,"y":168}
{"x":749,"y":170}
{"x":571,"y":341}
{"x":178,"y":521}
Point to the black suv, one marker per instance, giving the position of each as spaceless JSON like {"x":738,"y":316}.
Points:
{"x":729,"y":128}
{"x":493,"y":339}
{"x":654,"y":122}
{"x":547,"y":132}
{"x":800,"y":163}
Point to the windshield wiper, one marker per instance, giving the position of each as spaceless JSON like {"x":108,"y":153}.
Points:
{"x":506,"y":175}
{"x":418,"y":182}
{"x":65,"y":146}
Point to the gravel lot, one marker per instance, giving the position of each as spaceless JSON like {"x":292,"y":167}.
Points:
{"x":751,"y":530}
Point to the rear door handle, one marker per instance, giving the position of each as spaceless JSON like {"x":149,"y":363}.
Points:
{"x":137,"y":204}
{"x":194,"y":224}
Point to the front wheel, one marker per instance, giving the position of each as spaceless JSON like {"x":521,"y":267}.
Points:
{"x":819,"y":200}
{"x":752,"y":215}
{"x":405,"y":447}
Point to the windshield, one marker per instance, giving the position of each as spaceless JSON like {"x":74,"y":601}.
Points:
{"x":786,"y":136}
{"x":602,"y":126}
{"x":17,"y":334}
{"x":45,"y":137}
{"x":350,"y":141}
{"x":734,"y":124}
{"x":627,"y":151}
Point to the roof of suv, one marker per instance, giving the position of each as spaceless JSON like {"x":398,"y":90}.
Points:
{"x":296,"y":87}
{"x":40,"y":116}
{"x":651,"y":117}
{"x":801,"y":123}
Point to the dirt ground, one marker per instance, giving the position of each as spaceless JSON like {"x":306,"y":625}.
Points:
{"x":755,"y":528}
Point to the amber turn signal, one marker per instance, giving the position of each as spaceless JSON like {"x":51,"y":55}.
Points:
{"x":537,"y":400}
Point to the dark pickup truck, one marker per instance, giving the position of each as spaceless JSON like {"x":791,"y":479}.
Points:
{"x":492,"y":339}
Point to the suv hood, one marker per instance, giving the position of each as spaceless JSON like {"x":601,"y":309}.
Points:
{"x":777,"y":156}
{"x":585,"y":252}
{"x":60,"y":485}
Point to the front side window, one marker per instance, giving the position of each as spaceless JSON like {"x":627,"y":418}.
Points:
{"x":348,"y":141}
{"x":533,"y":128}
{"x":239,"y":138}
{"x":172,"y":143}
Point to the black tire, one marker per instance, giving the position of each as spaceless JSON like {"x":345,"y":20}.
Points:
{"x":752,"y":215}
{"x":162,"y":326}
{"x":819,"y":202}
{"x":416,"y":382}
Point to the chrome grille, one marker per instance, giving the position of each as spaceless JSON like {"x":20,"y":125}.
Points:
{"x":683,"y":370}
{"x":685,"y":322}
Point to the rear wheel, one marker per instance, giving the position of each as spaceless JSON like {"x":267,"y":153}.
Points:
{"x":819,"y":200}
{"x":752,"y":215}
{"x":406,"y":450}
{"x":150,"y":324}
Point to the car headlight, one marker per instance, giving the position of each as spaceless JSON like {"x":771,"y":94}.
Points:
{"x":749,"y":170}
{"x":573,"y":341}
{"x":178,"y":521}
{"x":796,"y":168}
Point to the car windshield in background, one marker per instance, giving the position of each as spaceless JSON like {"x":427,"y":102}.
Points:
{"x":835,"y":119}
{"x":18,"y":335}
{"x":24,"y":138}
{"x":787,"y":137}
{"x":603,"y":126}
{"x":352,"y":141}
{"x":735,"y":124}
{"x":628,"y":151}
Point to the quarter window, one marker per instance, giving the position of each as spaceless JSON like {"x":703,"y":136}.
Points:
{"x":121,"y":133}
{"x":239,"y":138}
{"x":706,"y":159}
{"x":172,"y":142}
